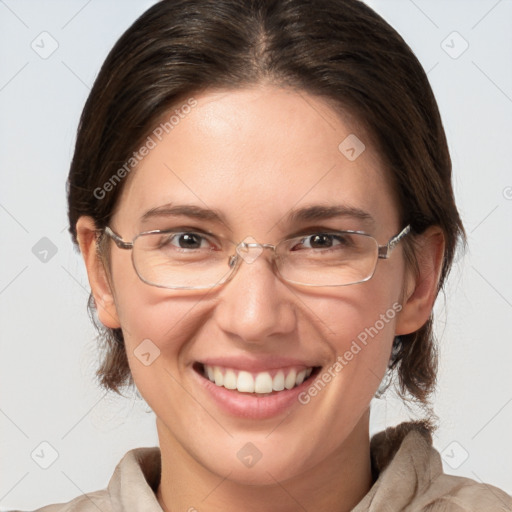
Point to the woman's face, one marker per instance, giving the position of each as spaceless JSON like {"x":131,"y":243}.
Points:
{"x":256,"y":157}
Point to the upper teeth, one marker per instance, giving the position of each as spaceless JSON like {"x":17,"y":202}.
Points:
{"x":261,"y":382}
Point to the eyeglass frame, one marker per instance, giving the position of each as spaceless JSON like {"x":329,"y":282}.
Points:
{"x":383,"y":252}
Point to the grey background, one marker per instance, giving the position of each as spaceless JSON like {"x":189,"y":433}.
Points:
{"x":48,"y":350}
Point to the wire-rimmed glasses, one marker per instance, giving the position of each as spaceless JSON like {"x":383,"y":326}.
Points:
{"x":194,"y":259}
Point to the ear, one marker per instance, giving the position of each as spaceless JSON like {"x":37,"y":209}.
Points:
{"x":421,"y":288}
{"x":97,"y":274}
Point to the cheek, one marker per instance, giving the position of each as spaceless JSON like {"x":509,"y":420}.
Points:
{"x":364,"y":312}
{"x":154,"y":323}
{"x":158,"y":333}
{"x":360,"y":327}
{"x":165,"y":320}
{"x":145,"y":311}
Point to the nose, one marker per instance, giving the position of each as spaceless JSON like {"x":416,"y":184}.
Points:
{"x":255,"y":304}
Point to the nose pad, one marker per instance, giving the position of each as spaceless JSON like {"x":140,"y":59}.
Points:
{"x":249,"y":249}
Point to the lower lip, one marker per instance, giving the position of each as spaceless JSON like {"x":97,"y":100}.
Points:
{"x":250,"y":405}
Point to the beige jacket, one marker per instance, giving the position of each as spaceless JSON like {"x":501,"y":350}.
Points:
{"x":408,"y":471}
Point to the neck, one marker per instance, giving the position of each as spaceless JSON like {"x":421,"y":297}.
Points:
{"x":338,"y":483}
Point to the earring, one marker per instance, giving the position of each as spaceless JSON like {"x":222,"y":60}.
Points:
{"x":386,"y":381}
{"x":140,"y":399}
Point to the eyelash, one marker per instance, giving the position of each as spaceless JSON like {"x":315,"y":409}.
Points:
{"x":175,"y":233}
{"x":312,"y":230}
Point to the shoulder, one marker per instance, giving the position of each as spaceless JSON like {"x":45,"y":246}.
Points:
{"x":457,"y":494}
{"x":132,"y":486}
{"x":90,"y":502}
{"x":410,"y":477}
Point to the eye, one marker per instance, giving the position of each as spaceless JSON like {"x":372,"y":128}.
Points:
{"x":323,"y":241}
{"x":185,"y":240}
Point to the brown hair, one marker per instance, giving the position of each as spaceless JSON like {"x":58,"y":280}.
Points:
{"x":339,"y":50}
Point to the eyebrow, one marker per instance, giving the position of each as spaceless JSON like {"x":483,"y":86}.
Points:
{"x":196,"y":212}
{"x":321,"y":212}
{"x":298,"y":216}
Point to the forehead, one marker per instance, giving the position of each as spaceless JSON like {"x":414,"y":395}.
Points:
{"x":255,"y":155}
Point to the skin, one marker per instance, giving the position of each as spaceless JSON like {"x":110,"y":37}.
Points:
{"x":254,"y":155}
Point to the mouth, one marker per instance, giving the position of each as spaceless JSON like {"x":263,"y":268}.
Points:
{"x":255,"y":389}
{"x":258,"y":384}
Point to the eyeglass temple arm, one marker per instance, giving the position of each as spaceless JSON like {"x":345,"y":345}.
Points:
{"x":118,"y":240}
{"x":385,"y":250}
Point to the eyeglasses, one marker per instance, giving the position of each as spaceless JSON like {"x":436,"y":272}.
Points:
{"x":192,"y":260}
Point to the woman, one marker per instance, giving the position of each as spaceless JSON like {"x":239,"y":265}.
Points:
{"x":261,"y":192}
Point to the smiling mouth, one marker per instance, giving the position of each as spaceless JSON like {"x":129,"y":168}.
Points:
{"x":257,"y":383}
